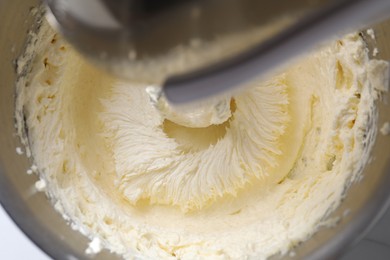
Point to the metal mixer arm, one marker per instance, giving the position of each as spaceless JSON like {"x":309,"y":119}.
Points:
{"x":108,"y":32}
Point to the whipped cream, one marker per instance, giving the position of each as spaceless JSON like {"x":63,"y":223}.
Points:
{"x":148,"y":182}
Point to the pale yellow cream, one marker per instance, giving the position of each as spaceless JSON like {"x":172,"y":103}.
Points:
{"x":253,"y":185}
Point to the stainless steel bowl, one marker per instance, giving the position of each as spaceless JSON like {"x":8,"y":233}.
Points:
{"x":34,"y":214}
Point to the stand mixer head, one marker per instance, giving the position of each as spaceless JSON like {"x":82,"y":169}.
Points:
{"x":219,"y":44}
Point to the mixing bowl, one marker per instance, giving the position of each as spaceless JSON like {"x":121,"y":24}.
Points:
{"x":33,"y":213}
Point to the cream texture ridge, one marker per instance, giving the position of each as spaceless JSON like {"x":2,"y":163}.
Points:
{"x":249,"y":184}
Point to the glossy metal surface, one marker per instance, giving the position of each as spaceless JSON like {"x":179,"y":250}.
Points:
{"x":117,"y":35}
{"x":107,"y":31}
{"x":37,"y":218}
{"x":312,"y":29}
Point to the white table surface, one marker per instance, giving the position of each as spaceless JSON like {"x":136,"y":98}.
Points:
{"x":14,"y":245}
